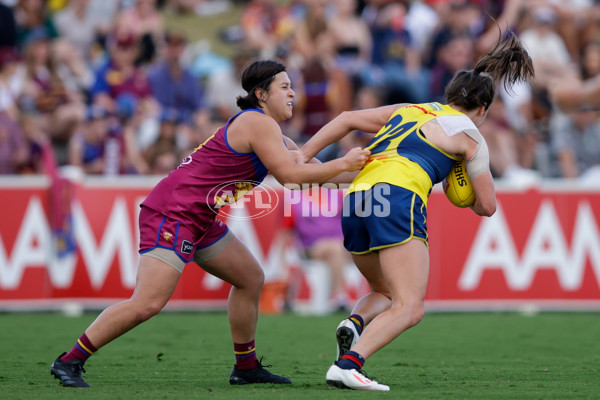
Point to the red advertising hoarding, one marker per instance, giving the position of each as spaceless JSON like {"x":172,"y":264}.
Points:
{"x":541,"y":248}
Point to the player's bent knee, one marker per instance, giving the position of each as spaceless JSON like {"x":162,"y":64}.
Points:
{"x":409,"y":314}
{"x":253,"y":280}
{"x":148,"y":311}
{"x":258,"y":282}
{"x":258,"y":278}
{"x":417,"y":313}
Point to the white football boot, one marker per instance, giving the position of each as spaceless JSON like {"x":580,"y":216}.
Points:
{"x":351,"y":379}
{"x":346,"y":336}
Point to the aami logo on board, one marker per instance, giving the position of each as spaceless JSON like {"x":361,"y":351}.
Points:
{"x":546,"y":248}
{"x":34,"y":247}
{"x":98,"y":248}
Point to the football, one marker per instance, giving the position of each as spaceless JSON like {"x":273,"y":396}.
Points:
{"x":457,"y":186}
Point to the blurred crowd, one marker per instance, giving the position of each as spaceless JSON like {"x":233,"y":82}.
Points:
{"x":104,"y":86}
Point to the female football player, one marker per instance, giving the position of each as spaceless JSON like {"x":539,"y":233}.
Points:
{"x":384,"y":223}
{"x":178,"y":223}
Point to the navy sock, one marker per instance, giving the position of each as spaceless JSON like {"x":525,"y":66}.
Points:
{"x":358,"y":322}
{"x":351,"y":360}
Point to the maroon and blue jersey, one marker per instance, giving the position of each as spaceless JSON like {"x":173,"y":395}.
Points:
{"x":214,"y":175}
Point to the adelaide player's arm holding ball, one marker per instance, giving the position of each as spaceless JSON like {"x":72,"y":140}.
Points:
{"x":470,"y":146}
{"x":478,"y":169}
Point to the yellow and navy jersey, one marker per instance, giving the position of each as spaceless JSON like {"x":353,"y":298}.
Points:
{"x":401,"y":155}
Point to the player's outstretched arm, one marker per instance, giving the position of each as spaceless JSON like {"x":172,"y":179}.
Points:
{"x":370,"y":120}
{"x":266,"y":141}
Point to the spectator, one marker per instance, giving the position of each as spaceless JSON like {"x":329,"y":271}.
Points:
{"x":569,"y":93}
{"x":147,"y":26}
{"x":223,"y":86}
{"x":163,"y":162}
{"x":267,"y":27}
{"x":120,"y":75}
{"x":589,"y":60}
{"x":105,"y":13}
{"x":366,"y":97}
{"x":106,"y":144}
{"x":78,"y":26}
{"x":311,"y":38}
{"x":505,"y":17}
{"x":550,"y":57}
{"x":174,"y":87}
{"x":452,"y":56}
{"x":591,"y":30}
{"x":72,"y":68}
{"x":574,"y":20}
{"x":59,"y":109}
{"x":31,"y":17}
{"x":575,"y":139}
{"x":572,"y":91}
{"x":502,"y":140}
{"x":323,"y":93}
{"x":351,"y":40}
{"x":516,"y":132}
{"x":164,"y":155}
{"x":562,"y":37}
{"x":545,"y":46}
{"x":456,"y":18}
{"x":93,"y":148}
{"x":11,"y":81}
{"x":519,"y":116}
{"x":421,"y":21}
{"x":399,"y":68}
{"x":132,"y":121}
{"x":36,"y":142}
{"x":13,"y":149}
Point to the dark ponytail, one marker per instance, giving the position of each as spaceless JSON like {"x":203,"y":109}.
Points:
{"x":507,"y":62}
{"x":257,"y":75}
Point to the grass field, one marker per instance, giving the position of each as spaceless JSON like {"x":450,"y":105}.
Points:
{"x":189,"y":356}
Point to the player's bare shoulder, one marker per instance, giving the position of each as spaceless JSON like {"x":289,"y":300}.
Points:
{"x":243,"y":129}
{"x":254,"y":121}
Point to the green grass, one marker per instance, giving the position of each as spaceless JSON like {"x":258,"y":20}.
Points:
{"x":189,"y":356}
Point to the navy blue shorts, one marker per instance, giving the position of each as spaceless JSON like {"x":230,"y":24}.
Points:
{"x":383,"y":216}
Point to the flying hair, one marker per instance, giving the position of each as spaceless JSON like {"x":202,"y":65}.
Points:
{"x":507,"y":63}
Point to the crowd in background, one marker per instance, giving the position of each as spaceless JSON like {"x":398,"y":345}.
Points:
{"x":104,"y":86}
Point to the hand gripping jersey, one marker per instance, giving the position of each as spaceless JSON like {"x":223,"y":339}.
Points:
{"x":212,"y":176}
{"x":402,"y":156}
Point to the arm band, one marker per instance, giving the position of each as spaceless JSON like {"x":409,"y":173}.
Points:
{"x":480,"y":162}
